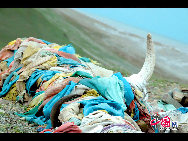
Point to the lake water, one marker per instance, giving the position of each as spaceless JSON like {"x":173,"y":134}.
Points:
{"x":172,"y":52}
{"x":171,"y":23}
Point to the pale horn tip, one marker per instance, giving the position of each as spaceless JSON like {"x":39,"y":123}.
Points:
{"x":149,"y":36}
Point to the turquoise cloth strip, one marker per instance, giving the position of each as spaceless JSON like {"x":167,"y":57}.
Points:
{"x":99,"y":103}
{"x":109,"y":87}
{"x":7,"y":84}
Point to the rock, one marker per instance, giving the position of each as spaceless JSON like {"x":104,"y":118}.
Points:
{"x":177,"y":95}
{"x":184,"y":101}
{"x":2,"y":111}
{"x":184,"y":91}
{"x":168,"y":99}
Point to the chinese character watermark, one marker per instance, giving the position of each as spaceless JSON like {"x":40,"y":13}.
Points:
{"x":165,"y":122}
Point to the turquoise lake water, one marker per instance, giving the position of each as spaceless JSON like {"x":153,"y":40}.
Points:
{"x":168,"y":22}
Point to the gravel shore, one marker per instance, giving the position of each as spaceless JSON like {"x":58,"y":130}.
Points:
{"x":12,"y":123}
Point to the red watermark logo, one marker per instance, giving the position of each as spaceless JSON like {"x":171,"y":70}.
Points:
{"x":165,"y":122}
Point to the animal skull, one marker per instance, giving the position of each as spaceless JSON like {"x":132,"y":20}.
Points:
{"x":138,"y":81}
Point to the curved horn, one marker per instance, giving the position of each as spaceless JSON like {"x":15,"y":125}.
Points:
{"x":149,"y":64}
{"x":139,"y":80}
{"x":55,"y":122}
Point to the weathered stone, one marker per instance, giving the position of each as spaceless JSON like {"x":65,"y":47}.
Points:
{"x":168,"y":99}
{"x":177,"y":95}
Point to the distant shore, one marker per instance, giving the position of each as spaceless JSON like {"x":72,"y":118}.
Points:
{"x":171,"y":56}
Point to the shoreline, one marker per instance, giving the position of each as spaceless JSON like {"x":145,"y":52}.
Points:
{"x":122,"y":27}
{"x":130,"y":43}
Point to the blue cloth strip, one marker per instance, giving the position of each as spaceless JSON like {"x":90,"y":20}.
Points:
{"x":7,"y":84}
{"x":46,"y":75}
{"x":99,"y":103}
{"x":128,"y":93}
